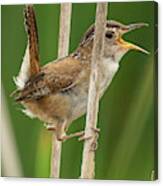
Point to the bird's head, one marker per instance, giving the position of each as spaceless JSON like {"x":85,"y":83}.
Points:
{"x":115,"y":46}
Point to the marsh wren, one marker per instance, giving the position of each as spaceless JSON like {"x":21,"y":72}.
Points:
{"x":57,"y":92}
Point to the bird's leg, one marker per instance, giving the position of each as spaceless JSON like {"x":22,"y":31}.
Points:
{"x":94,"y":138}
{"x":61,"y":132}
{"x":66,"y":137}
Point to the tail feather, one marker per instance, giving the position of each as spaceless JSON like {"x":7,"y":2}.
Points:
{"x":24,"y":73}
{"x":30,"y":64}
{"x":31,"y":28}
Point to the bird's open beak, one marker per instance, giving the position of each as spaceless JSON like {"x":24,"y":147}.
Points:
{"x":129,"y":45}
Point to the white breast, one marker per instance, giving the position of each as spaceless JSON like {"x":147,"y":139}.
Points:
{"x":108,"y":70}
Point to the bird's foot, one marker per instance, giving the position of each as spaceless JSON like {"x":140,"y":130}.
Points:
{"x":66,"y":137}
{"x":83,"y":137}
{"x":94,"y":138}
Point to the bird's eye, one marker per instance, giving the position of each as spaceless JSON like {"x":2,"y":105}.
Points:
{"x":109,"y":35}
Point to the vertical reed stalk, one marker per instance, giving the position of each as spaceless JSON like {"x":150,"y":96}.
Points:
{"x":88,"y":162}
{"x":63,"y":48}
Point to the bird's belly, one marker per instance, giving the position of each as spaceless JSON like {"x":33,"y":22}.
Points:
{"x":66,"y":105}
{"x":79,"y":96}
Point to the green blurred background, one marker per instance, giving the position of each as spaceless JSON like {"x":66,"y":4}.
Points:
{"x":128,"y":114}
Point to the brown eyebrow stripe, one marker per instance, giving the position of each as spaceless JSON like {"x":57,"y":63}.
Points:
{"x":112,"y":24}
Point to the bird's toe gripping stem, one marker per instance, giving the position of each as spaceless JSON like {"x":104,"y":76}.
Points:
{"x":93,"y":138}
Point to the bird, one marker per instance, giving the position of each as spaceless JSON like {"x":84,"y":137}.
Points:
{"x":57,"y":93}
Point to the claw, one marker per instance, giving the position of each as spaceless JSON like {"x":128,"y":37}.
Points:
{"x":94,"y":145}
